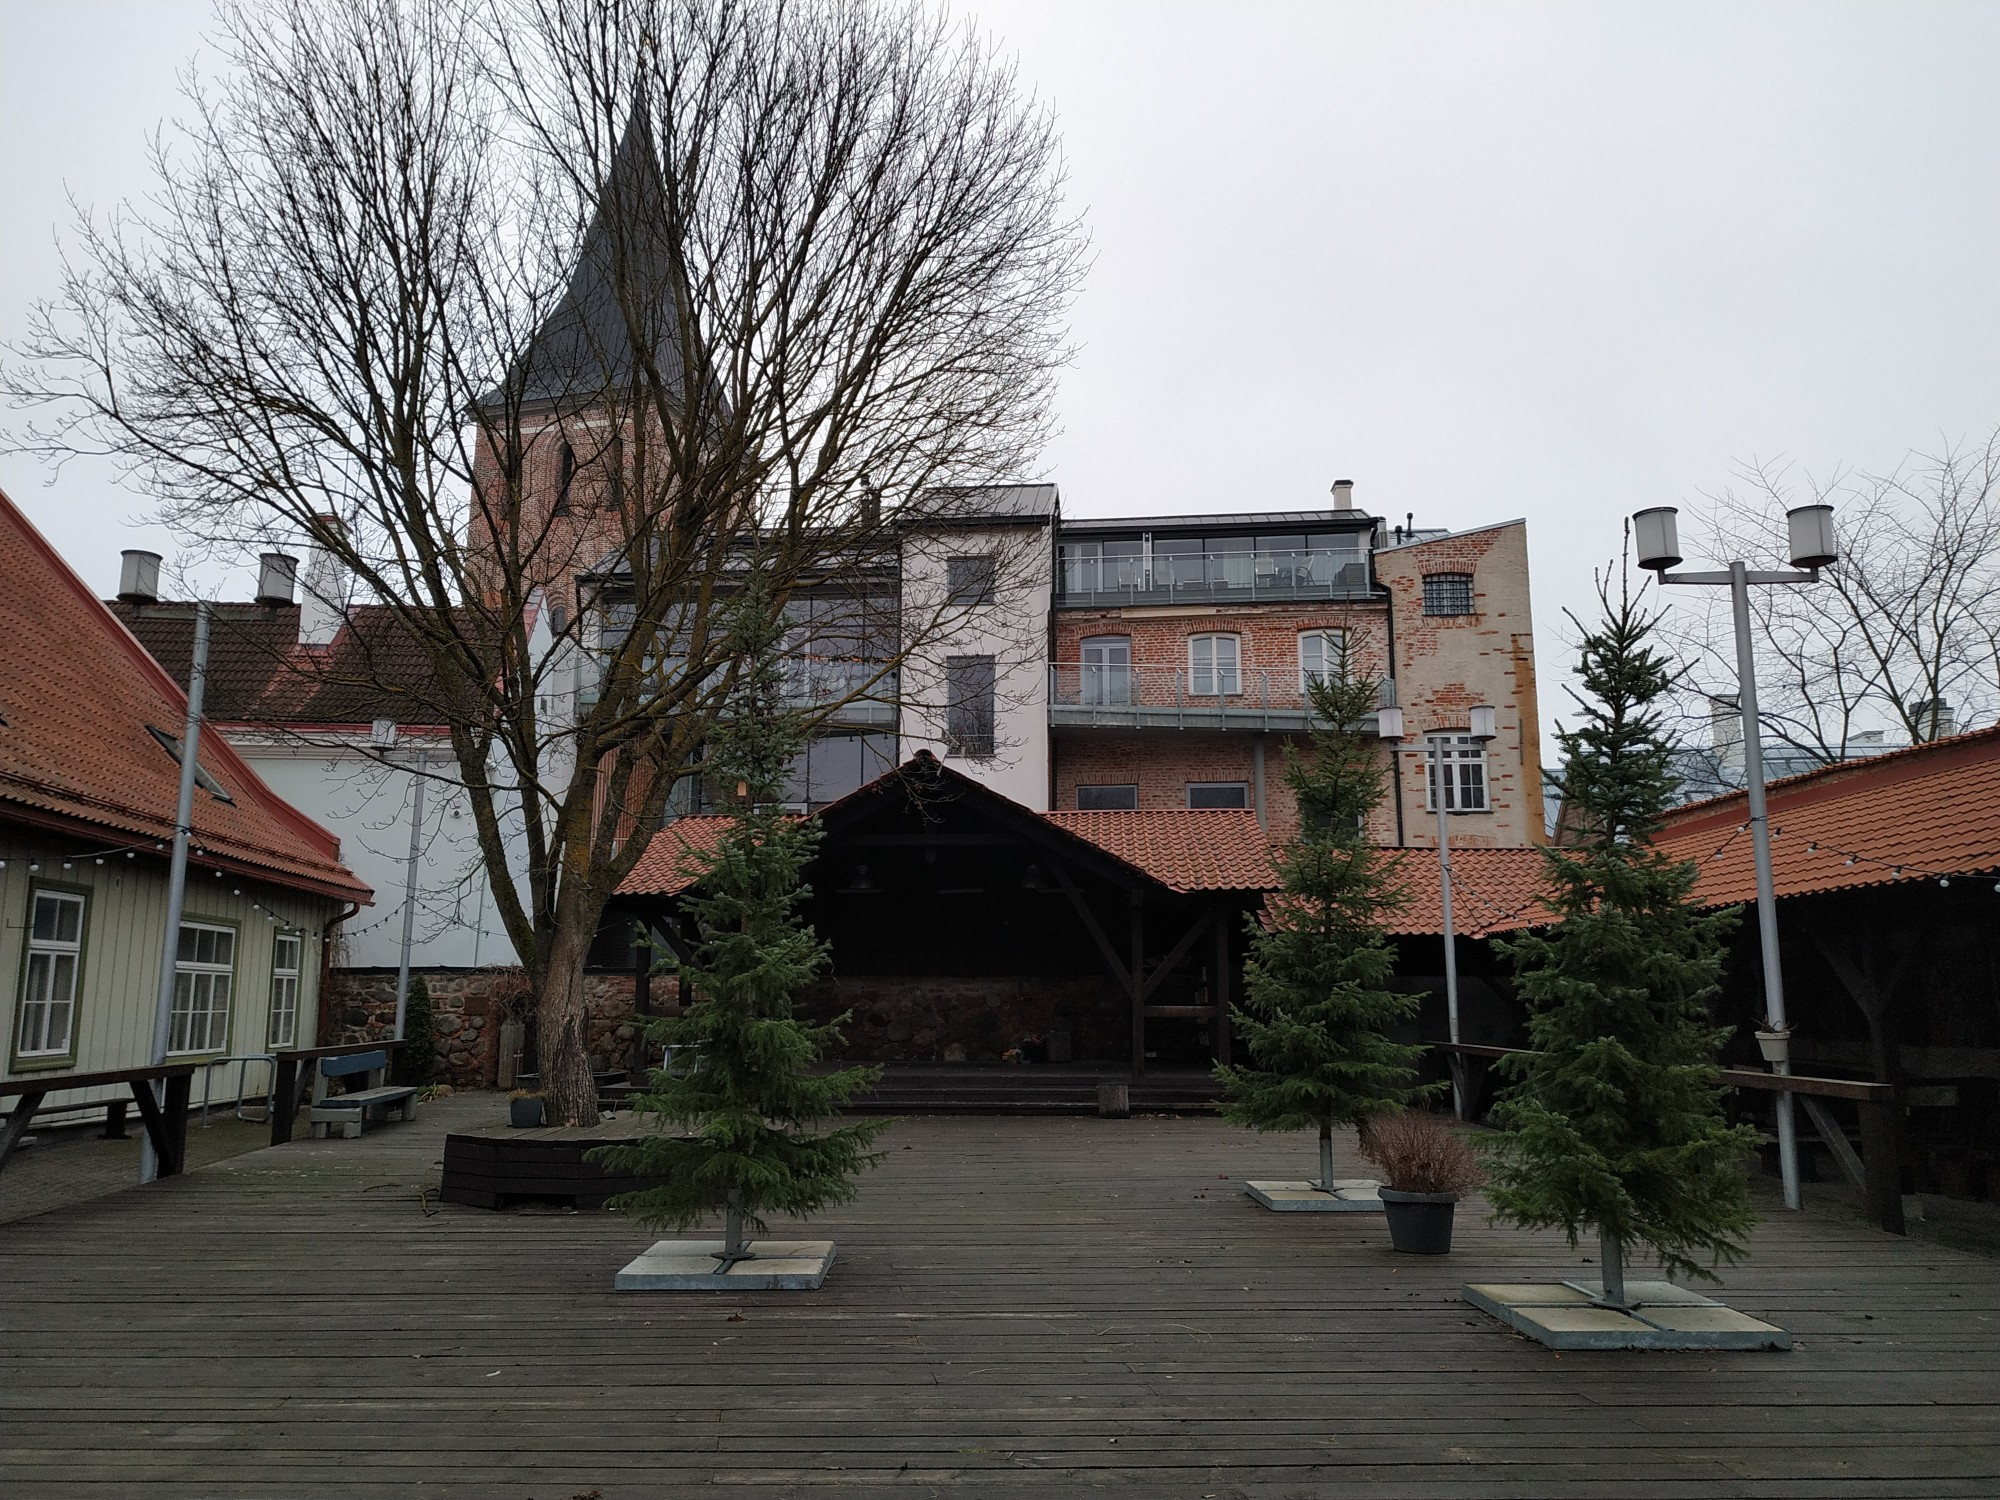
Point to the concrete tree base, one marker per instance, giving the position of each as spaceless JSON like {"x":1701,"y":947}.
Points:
{"x":690,"y":1266}
{"x":1566,"y":1315}
{"x":1354,"y":1195}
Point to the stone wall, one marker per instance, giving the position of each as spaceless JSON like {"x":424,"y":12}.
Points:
{"x":917,"y":1018}
{"x":467,"y":1007}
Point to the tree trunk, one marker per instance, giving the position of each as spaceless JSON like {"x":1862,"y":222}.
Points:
{"x":569,"y":1092}
{"x":1326,"y":1158}
{"x":733,"y":1248}
{"x":1612,"y":1253}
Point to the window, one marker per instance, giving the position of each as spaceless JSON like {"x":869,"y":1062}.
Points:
{"x":1447,"y":593}
{"x":1321,"y":653}
{"x":283,"y":1029}
{"x":565,"y":477}
{"x":1214,"y":668}
{"x":204,"y":968}
{"x":1107,"y":798}
{"x":1103,"y":567}
{"x":1464,"y":762}
{"x":969,"y":580}
{"x":1107,"y":670}
{"x":968,"y":720}
{"x":55,"y":953}
{"x":1218,"y":794}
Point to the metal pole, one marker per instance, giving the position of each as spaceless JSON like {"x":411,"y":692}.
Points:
{"x":1457,"y":1064}
{"x":170,"y":939}
{"x":1760,"y":844}
{"x":410,"y":894}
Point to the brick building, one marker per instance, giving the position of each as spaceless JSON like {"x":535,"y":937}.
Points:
{"x":1182,"y":647}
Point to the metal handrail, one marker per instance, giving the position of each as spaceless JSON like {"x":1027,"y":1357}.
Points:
{"x":242,"y":1061}
{"x":1323,"y":572}
{"x":1092,"y":685}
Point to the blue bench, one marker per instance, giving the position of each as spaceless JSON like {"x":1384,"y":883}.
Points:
{"x":351,"y":1110}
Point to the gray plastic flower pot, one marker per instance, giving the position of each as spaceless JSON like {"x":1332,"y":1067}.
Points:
{"x":1419,"y":1223}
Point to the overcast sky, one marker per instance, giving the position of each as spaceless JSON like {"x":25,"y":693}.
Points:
{"x":1493,"y":260}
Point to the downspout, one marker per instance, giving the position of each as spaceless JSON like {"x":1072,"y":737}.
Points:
{"x":326,"y":969}
{"x":1395,"y":764}
{"x":1257,"y":776}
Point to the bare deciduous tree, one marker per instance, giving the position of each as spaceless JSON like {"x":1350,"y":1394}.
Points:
{"x":515,"y":306}
{"x":1901,"y":634}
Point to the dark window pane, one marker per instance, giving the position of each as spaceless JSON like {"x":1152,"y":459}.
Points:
{"x":969,"y":580}
{"x":1107,"y":798}
{"x":968,"y":727}
{"x":1218,"y":794}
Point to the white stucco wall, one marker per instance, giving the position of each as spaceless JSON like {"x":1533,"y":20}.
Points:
{"x":1013,"y":630}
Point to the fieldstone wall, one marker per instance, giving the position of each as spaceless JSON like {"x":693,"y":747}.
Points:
{"x":467,"y":1008}
{"x":914,"y":1018}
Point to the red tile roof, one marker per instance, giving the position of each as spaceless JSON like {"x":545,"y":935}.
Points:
{"x":1493,"y":890}
{"x":1923,"y":813}
{"x":77,"y":693}
{"x":1211,"y":849}
{"x":674,"y":860}
{"x":258,"y":673}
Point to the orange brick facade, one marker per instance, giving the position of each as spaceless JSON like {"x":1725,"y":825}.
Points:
{"x":1443,"y":666}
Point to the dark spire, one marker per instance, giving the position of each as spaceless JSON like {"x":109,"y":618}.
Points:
{"x":621,"y":294}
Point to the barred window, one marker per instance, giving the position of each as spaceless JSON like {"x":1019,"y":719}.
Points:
{"x":1447,"y":593}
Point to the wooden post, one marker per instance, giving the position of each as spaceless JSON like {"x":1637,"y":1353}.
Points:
{"x":1881,"y":1164}
{"x":175,"y":1118}
{"x":285,"y":1102}
{"x":17,"y":1123}
{"x":114,"y":1120}
{"x":1219,"y":991}
{"x":1137,"y":973}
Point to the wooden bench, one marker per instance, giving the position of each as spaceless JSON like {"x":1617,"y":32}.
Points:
{"x":165,"y":1116}
{"x":350,"y":1110}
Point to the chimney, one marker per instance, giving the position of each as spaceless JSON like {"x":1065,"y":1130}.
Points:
{"x":1946,"y":722}
{"x":139,"y":577}
{"x":277,"y":578}
{"x":1343,"y":494}
{"x":1725,"y":728}
{"x":324,"y":607}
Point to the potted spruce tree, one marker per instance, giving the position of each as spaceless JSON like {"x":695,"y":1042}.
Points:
{"x":1315,"y":1009}
{"x":1614,"y":1122}
{"x":739,"y":1123}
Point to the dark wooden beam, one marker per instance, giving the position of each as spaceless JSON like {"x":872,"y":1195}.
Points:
{"x":1219,"y":990}
{"x":1091,"y":925}
{"x":1180,"y":951}
{"x":1138,"y":971}
{"x":17,"y":1123}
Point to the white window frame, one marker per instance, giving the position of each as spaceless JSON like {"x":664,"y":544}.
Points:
{"x":204,"y":990}
{"x":1211,"y":678}
{"x":1331,"y":643}
{"x":47,"y":1026}
{"x":1103,"y":680}
{"x":1463,"y":761}
{"x":1241,"y":786}
{"x":282,"y":1019}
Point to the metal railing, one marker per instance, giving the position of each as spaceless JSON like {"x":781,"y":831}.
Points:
{"x":1232,"y":577}
{"x":1084,"y":693}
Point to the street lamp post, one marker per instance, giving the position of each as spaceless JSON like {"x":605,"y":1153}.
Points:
{"x":1389,"y":726}
{"x":1656,"y":537}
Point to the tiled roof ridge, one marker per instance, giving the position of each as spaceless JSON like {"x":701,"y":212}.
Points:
{"x":217,"y":746}
{"x":1890,"y":768}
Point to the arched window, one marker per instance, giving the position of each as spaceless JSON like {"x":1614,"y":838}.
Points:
{"x":1320,"y":655}
{"x":1215,"y":666}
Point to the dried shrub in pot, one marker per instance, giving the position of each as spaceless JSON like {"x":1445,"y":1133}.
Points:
{"x":1419,"y":1153}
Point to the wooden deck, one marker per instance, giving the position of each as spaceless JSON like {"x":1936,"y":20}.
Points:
{"x":1022,"y":1306}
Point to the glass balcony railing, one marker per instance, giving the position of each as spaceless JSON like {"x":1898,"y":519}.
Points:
{"x":1089,"y":694}
{"x":1314,"y":573}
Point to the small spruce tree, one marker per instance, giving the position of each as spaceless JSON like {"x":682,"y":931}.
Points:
{"x":1315,"y":1013}
{"x":417,"y":1059}
{"x":1616,"y":1119}
{"x":747,"y":1101}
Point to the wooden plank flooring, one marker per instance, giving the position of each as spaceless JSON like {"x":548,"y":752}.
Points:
{"x":1022,"y":1306}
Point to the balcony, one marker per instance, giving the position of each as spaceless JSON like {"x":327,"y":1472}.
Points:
{"x":1096,"y":697}
{"x":866,"y":691}
{"x":1097,"y":581}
